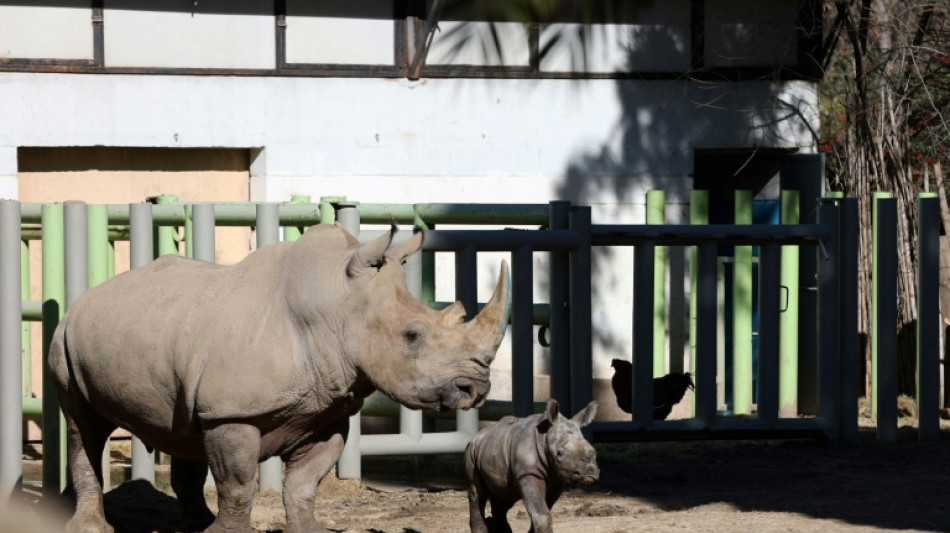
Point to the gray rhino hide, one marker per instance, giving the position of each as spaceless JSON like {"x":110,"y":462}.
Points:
{"x":281,"y":347}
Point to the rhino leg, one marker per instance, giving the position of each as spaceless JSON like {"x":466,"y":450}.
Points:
{"x":476,"y":506}
{"x":188,"y":480}
{"x":87,"y":433}
{"x":305,"y":469}
{"x":535,"y":502}
{"x":233,"y":451}
{"x":499,"y":515}
{"x":86,"y":436}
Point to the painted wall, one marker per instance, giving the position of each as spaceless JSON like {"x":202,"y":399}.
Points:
{"x":597,"y":142}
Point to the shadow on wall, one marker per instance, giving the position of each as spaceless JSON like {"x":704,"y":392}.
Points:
{"x":662,"y":124}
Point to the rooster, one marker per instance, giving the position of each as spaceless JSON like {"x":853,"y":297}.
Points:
{"x":667,"y":390}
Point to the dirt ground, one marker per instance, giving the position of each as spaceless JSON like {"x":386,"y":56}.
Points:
{"x":776,"y":486}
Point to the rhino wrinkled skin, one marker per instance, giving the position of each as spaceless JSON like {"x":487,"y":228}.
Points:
{"x":531,"y":458}
{"x":230,"y":365}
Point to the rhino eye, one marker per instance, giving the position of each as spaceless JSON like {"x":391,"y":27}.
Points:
{"x":412,"y":335}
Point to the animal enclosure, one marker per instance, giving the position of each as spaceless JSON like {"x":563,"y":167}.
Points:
{"x":77,"y":238}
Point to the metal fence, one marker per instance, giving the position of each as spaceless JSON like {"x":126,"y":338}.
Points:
{"x":76,"y":253}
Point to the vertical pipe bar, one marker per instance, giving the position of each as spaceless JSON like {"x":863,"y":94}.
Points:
{"x":26,"y":342}
{"x":203,"y":247}
{"x":349,"y":466}
{"x":410,"y":420}
{"x":928,"y":315}
{"x":75,"y":215}
{"x":656,"y":214}
{"x":98,"y":249}
{"x":558,"y":323}
{"x":98,"y":246}
{"x":292,"y":233}
{"x":848,"y":275}
{"x":770,"y":260}
{"x":698,"y":215}
{"x":788,"y":319}
{"x":77,"y":245}
{"x":77,"y":251}
{"x":522,"y":332}
{"x":428,"y":259}
{"x":580,"y":308}
{"x":828,"y":318}
{"x":742,"y":313}
{"x":54,"y":296}
{"x":884,"y":328}
{"x":268,"y":232}
{"x":11,"y":357}
{"x":466,"y":291}
{"x":643,"y":332}
{"x":706,"y":281}
{"x":806,"y":172}
{"x":327,"y":212}
{"x":141,"y":253}
{"x":164,"y":237}
{"x":189,"y":231}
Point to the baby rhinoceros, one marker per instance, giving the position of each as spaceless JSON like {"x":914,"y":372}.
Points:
{"x":531,"y":458}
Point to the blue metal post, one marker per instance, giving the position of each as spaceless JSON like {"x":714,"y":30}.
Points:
{"x":770,"y":271}
{"x":884,"y":330}
{"x":706,"y":303}
{"x":643,"y":332}
{"x":928,"y":318}
{"x":522,"y":332}
{"x":559,"y":323}
{"x":828,"y":317}
{"x":848,"y":276}
{"x":582,"y":383}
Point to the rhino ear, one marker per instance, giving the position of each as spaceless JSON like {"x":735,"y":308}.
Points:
{"x":370,"y":255}
{"x":551,"y":412}
{"x":401,"y":251}
{"x":586,"y":415}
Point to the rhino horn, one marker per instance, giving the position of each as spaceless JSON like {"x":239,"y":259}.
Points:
{"x":493,"y":318}
{"x":370,"y":255}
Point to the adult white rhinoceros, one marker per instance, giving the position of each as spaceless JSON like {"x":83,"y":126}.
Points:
{"x":230,"y":365}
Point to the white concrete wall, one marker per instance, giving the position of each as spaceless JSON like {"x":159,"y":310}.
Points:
{"x":645,"y":37}
{"x":597,"y":142}
{"x":340,"y":31}
{"x":187,"y":34}
{"x":62,"y":31}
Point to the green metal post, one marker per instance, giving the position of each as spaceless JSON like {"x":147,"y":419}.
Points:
{"x":788,"y":319}
{"x":656,"y":214}
{"x":698,"y":215}
{"x":428,"y":260}
{"x":26,"y":327}
{"x":165,"y":243}
{"x":327,"y":213}
{"x":54,"y":298}
{"x":292,"y":233}
{"x":742,"y":313}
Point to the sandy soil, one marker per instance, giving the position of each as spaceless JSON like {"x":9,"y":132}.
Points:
{"x":779,"y":486}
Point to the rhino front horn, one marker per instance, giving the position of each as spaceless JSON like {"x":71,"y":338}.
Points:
{"x":494,"y":316}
